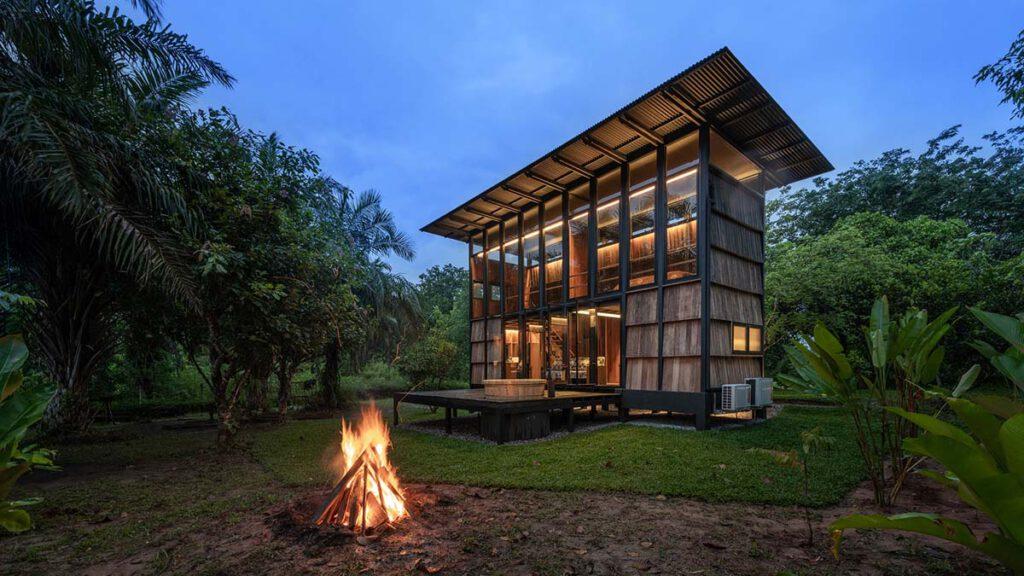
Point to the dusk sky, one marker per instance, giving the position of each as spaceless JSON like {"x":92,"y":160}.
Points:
{"x":431,"y":103}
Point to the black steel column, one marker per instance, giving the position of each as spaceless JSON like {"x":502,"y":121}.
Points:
{"x":487,"y":303}
{"x":660,"y":244}
{"x":623,"y":268}
{"x":501,"y":297}
{"x":542,"y":284}
{"x":704,"y":255}
{"x":592,"y":241}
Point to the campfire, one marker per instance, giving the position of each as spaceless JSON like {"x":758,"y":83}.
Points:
{"x":367,"y":495}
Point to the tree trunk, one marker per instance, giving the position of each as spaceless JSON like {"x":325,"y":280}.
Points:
{"x":285,"y":372}
{"x":329,"y":377}
{"x":73,"y":336}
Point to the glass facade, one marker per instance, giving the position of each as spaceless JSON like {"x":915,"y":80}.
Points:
{"x":510,"y":247}
{"x":476,"y":274}
{"x":681,"y":209}
{"x":579,"y":245}
{"x":553,"y":249}
{"x":567,"y":255}
{"x":531,"y":259}
{"x":494,"y":271}
{"x":609,"y":189}
{"x":643,"y":180}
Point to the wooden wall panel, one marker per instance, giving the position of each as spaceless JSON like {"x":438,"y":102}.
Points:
{"x":732,"y":237}
{"x":642,"y":308}
{"x":682,"y":301}
{"x":720,"y":334}
{"x":735,"y":306}
{"x":642,"y":341}
{"x":476,"y":331}
{"x":642,"y":373}
{"x":476,"y":375}
{"x":734,"y":369}
{"x":682,"y":338}
{"x":477,"y":352}
{"x":494,"y":343}
{"x":730,"y":199}
{"x":729,"y":270}
{"x":681,"y":375}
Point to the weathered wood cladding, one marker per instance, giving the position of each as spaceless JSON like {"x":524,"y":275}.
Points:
{"x":642,"y":308}
{"x":728,"y":236}
{"x":478,"y":352}
{"x":494,"y":345}
{"x":735,"y":202}
{"x":642,"y":374}
{"x":728,"y":270}
{"x":735,"y":306}
{"x":681,"y":374}
{"x":682,"y":302}
{"x":733,"y":370}
{"x":682,"y":338}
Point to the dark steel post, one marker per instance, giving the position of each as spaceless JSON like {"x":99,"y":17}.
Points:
{"x":704,"y":264}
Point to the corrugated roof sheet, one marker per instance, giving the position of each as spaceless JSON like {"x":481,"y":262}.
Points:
{"x":718,"y":90}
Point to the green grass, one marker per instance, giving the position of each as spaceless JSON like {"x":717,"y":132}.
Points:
{"x":716,"y":466}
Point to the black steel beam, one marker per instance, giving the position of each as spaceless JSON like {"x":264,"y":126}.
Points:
{"x":521,"y":193}
{"x":482,"y":214}
{"x":545,"y":181}
{"x":501,"y":204}
{"x":750,"y":112}
{"x":573,"y":166}
{"x":641,"y":130}
{"x":680,"y":102}
{"x":604,"y":149}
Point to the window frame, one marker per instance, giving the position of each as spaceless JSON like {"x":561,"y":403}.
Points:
{"x":746,"y":332}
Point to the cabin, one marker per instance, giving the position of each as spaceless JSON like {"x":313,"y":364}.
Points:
{"x":631,"y":258}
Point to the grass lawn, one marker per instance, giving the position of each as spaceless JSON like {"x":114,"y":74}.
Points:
{"x":715,"y":466}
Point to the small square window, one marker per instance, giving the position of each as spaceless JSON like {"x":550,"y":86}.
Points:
{"x":746,"y":339}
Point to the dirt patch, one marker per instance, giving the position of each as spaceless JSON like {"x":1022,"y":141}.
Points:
{"x":223,"y":514}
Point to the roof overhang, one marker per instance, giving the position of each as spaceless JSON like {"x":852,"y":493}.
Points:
{"x":718,"y":91}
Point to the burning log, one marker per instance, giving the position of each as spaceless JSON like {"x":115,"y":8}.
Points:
{"x":367,"y":494}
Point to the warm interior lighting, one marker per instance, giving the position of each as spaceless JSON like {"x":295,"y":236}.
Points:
{"x":609,"y":315}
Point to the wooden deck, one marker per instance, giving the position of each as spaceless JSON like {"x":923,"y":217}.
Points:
{"x":503,"y":419}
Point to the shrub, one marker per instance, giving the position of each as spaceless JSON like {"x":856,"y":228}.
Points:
{"x":430,"y":360}
{"x":375,"y":377}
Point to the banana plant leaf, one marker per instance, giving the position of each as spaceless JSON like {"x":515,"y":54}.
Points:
{"x":1009,"y":553}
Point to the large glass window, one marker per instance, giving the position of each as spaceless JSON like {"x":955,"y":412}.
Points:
{"x":579,"y":232}
{"x":553,"y":249}
{"x":531,"y":259}
{"x":558,"y":331}
{"x":643,"y":179}
{"x":476,"y":274}
{"x":494,"y":271}
{"x":609,"y":188}
{"x":533,"y":348}
{"x":681,"y":208}
{"x":512,"y":348}
{"x":512,"y":264}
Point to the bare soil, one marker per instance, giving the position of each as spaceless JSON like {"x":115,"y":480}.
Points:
{"x":462,"y":530}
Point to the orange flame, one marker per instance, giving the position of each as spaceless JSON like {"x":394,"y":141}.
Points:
{"x":370,"y":495}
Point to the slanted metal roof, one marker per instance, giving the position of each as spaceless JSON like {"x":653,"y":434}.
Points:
{"x":718,"y":90}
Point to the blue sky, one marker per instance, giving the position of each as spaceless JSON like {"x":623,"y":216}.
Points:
{"x":432,"y":102}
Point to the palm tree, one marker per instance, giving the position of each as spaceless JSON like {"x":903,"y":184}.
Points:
{"x":368,"y":233}
{"x":83,"y":188}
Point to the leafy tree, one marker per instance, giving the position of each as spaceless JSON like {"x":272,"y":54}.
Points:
{"x":429,"y":359}
{"x":1007,"y":74}
{"x":444,"y":293}
{"x":982,"y":186}
{"x":922,"y":263}
{"x":82,"y":192}
{"x":268,"y":273}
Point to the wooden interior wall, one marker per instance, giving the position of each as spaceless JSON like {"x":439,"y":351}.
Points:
{"x":478,"y":343}
{"x":736,"y":229}
{"x":642,"y":340}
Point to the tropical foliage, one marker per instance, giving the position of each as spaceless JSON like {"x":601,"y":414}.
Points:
{"x":21,"y":406}
{"x":905,"y":355}
{"x":983,"y":462}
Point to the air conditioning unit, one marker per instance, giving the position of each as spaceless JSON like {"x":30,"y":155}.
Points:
{"x":762,"y":388}
{"x":735,"y":397}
